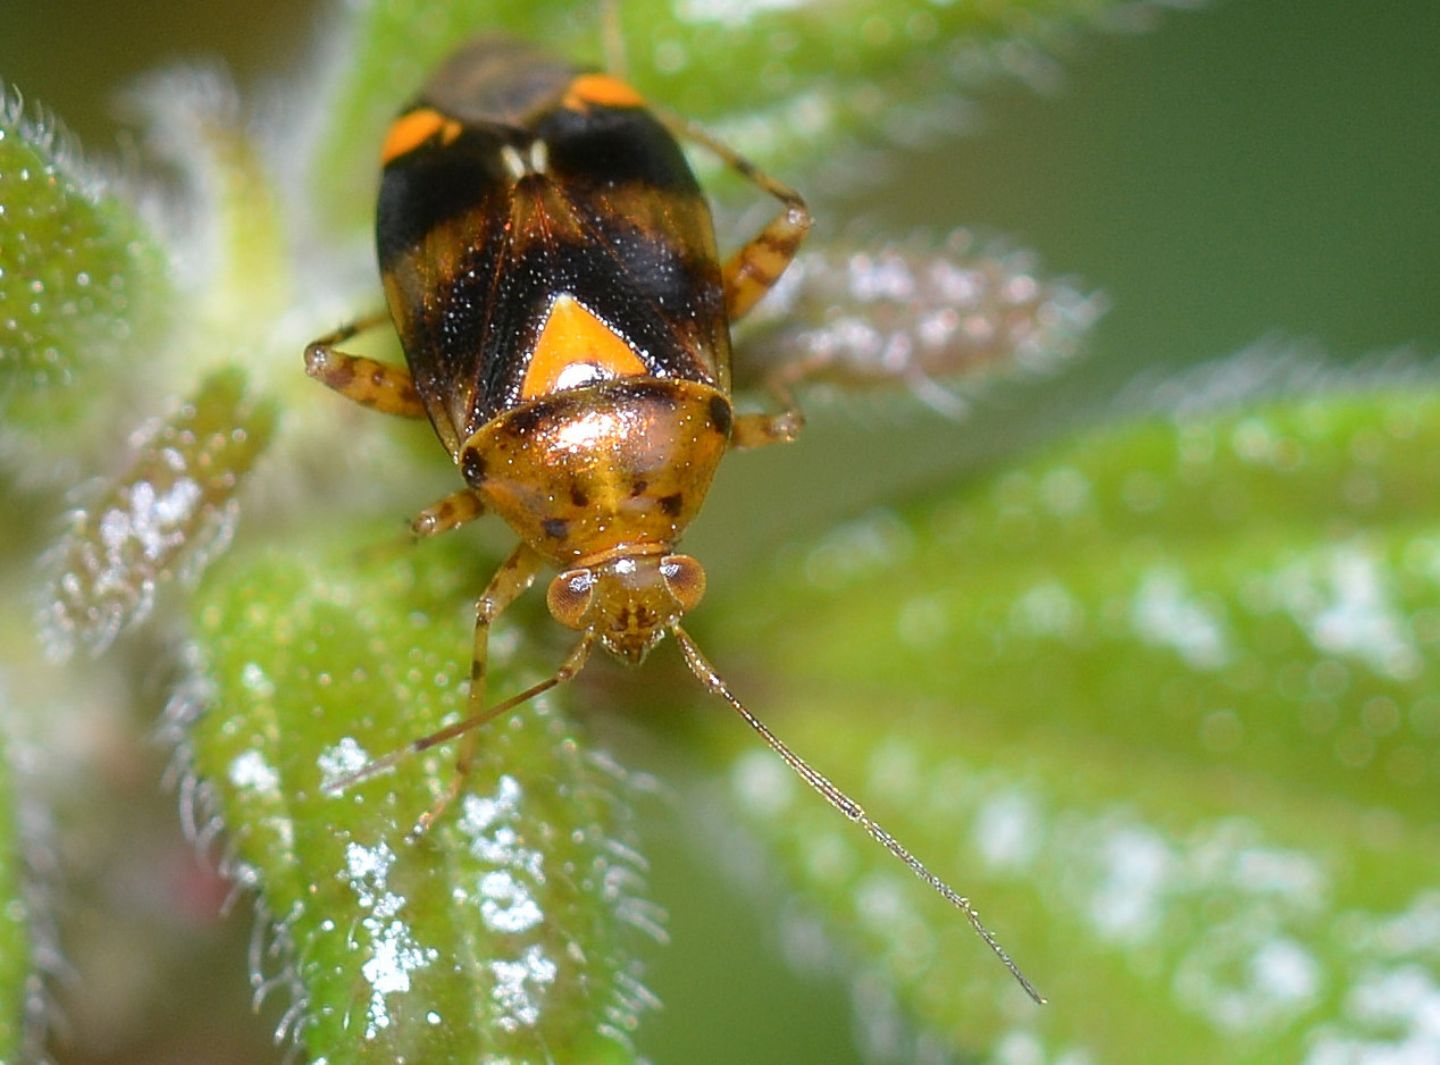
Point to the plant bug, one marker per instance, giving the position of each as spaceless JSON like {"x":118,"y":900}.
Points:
{"x":550,"y":265}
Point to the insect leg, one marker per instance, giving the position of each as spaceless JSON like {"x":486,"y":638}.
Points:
{"x":512,"y":578}
{"x":613,"y":38}
{"x":759,"y":263}
{"x":758,"y":430}
{"x":453,"y":511}
{"x":752,"y":271}
{"x":572,"y":665}
{"x":377,"y":385}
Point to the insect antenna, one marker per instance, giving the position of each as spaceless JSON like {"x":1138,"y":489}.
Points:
{"x":703,"y":670}
{"x":572,"y":665}
{"x":613,"y":37}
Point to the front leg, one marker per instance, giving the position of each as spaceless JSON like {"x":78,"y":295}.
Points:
{"x":759,"y":430}
{"x":376,"y":385}
{"x":455,"y":510}
{"x":514,"y":576}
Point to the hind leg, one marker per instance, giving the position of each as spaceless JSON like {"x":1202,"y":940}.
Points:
{"x":376,"y":385}
{"x":751,"y":272}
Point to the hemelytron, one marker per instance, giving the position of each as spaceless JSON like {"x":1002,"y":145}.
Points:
{"x":550,"y":265}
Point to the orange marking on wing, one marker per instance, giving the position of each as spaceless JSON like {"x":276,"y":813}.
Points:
{"x":410,"y":131}
{"x":601,"y":90}
{"x":576,"y":349}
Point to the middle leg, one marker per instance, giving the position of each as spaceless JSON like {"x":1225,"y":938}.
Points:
{"x":758,"y":430}
{"x":456,"y":509}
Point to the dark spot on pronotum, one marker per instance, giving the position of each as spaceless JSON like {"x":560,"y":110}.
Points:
{"x":472,"y":468}
{"x":672,"y":503}
{"x":720,"y":414}
{"x":638,"y":487}
{"x":556,"y":528}
{"x":523,"y":421}
{"x":578,"y":496}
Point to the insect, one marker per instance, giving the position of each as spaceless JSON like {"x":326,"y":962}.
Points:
{"x":550,"y":265}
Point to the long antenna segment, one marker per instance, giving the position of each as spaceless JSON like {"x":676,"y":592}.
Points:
{"x":848,"y":806}
{"x":572,"y":665}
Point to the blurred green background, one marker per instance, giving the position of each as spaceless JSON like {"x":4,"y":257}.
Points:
{"x":1241,"y":173}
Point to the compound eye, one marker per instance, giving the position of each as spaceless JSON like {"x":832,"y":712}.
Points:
{"x":685,"y":578}
{"x":569,"y":597}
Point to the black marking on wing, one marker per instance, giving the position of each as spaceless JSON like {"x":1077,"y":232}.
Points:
{"x":473,"y":259}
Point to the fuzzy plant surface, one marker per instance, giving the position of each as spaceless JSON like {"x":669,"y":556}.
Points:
{"x":1193,"y":758}
{"x":1160,"y":697}
{"x":16,"y":953}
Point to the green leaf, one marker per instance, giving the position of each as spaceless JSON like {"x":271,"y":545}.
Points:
{"x":509,"y":931}
{"x":16,"y":958}
{"x":236,"y":241}
{"x":505,"y":932}
{"x":83,"y":285}
{"x":162,"y":518}
{"x":784,"y":83}
{"x":1163,"y":701}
